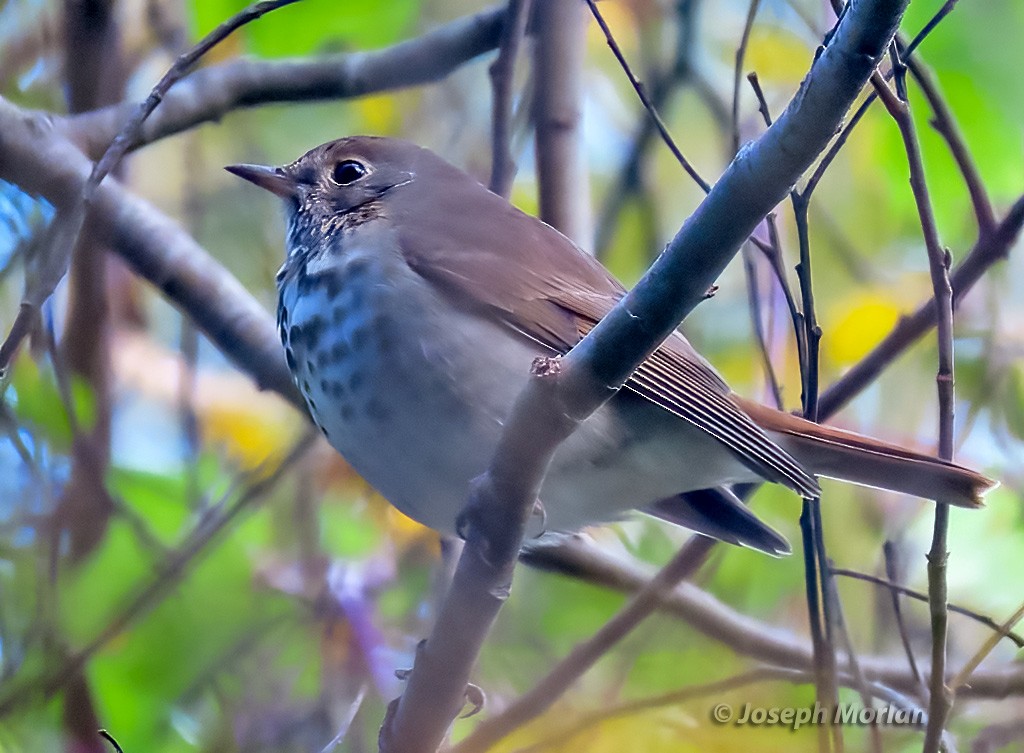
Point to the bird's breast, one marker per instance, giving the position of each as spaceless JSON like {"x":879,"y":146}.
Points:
{"x":408,"y":388}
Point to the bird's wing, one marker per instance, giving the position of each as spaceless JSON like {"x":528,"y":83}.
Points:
{"x":492,"y":258}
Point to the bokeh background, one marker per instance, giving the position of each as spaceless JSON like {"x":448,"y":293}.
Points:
{"x":194,"y":609}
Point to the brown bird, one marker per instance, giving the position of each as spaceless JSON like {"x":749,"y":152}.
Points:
{"x":412,"y":303}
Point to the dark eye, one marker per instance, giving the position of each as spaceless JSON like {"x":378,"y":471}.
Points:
{"x":348,"y":172}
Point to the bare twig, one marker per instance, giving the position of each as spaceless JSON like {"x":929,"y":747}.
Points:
{"x":892,"y":573}
{"x":210,"y":93}
{"x":648,"y":104}
{"x":741,"y":52}
{"x":41,"y":162}
{"x":898,"y":589}
{"x":579,"y":557}
{"x":110,"y":739}
{"x":964,"y":675}
{"x":679,"y":72}
{"x":941,"y":696}
{"x":825,"y":665}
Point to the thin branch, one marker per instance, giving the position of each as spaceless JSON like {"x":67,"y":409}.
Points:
{"x":825,"y":666}
{"x":892,"y":573}
{"x":648,"y":104}
{"x":580,"y":558}
{"x":943,"y":122}
{"x":987,"y":251}
{"x":857,"y":679}
{"x":110,"y":739}
{"x":941,"y":696}
{"x":754,"y":304}
{"x":502,"y":71}
{"x":741,"y":52}
{"x":678,"y":73}
{"x":964,"y":675}
{"x":210,"y":93}
{"x":39,"y":160}
{"x":896,"y":588}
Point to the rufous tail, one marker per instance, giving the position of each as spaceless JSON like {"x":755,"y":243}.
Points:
{"x":847,"y":456}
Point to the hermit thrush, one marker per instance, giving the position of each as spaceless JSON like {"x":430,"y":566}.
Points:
{"x":412,"y":303}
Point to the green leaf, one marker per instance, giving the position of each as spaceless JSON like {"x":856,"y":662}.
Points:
{"x":313,"y":25}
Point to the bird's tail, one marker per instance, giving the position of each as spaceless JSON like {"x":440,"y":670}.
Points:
{"x":845,"y":455}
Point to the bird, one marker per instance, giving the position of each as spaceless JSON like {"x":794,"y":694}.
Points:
{"x":412,"y":303}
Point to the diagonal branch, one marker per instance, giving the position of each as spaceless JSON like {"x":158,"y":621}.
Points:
{"x":40,"y":161}
{"x":566,"y":391}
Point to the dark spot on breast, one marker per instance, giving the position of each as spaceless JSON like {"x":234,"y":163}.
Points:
{"x":323,"y":357}
{"x":386,"y":331}
{"x":347,"y":412}
{"x":356,"y":267}
{"x":339,"y":351}
{"x":315,"y":328}
{"x":360,"y":336}
{"x":376,"y":410}
{"x":337,"y":389}
{"x":356,"y":381}
{"x":332,"y":284}
{"x":356,"y":295}
{"x":305,"y":387}
{"x":339,"y":314}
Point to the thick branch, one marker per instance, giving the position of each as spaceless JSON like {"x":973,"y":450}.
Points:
{"x":753,"y":184}
{"x":562,"y":175}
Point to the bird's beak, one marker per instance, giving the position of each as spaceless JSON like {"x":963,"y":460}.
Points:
{"x":274,"y":179}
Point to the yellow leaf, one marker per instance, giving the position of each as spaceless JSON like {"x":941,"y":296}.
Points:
{"x":858,"y":324}
{"x":777,"y":55}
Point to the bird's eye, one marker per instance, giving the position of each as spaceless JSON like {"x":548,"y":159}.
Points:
{"x":347,"y":172}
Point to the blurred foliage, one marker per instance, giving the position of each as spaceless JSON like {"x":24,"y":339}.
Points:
{"x":257,"y":631}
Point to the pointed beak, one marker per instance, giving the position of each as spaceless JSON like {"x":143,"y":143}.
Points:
{"x":274,"y":179}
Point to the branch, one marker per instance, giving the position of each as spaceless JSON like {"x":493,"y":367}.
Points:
{"x":63,"y":232}
{"x":566,"y":391}
{"x":578,"y":557}
{"x":502,"y":71}
{"x":40,"y":161}
{"x":989,"y":249}
{"x":562,"y":176}
{"x":939,"y":259}
{"x":209,"y":94}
